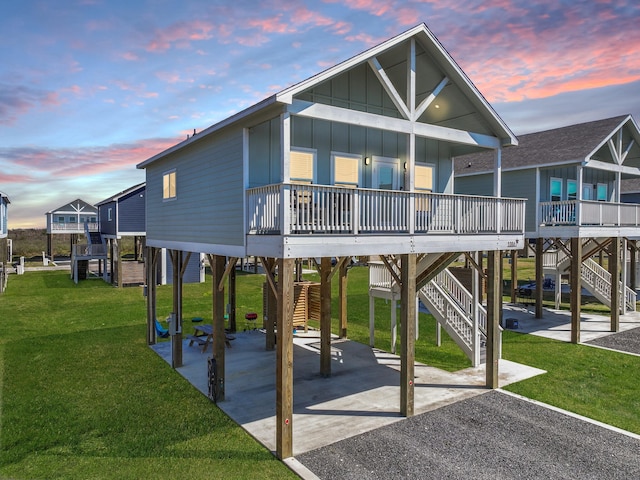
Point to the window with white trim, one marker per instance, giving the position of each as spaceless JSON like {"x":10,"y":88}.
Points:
{"x":346,"y":170}
{"x":601,"y":192}
{"x":555,"y":191}
{"x":572,"y":190}
{"x":301,"y":166}
{"x":169,"y":185}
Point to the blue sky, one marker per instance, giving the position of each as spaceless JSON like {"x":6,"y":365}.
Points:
{"x":90,"y":88}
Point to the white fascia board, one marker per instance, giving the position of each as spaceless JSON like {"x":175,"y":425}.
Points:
{"x":372,"y":120}
{"x":524,"y":167}
{"x":610,"y":136}
{"x":611,"y":167}
{"x":195,"y":247}
{"x":213,"y":128}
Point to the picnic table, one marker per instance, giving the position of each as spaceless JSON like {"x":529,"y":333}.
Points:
{"x":203,"y":336}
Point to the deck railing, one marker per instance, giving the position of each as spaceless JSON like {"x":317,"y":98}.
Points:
{"x":299,"y":209}
{"x":585,"y":212}
{"x":73,"y":227}
{"x":91,"y":250}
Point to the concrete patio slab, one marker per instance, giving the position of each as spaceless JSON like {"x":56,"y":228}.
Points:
{"x":556,"y":324}
{"x":362,"y":393}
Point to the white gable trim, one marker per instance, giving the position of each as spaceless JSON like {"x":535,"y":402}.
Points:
{"x":343,"y":115}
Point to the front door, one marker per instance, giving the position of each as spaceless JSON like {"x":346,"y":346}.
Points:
{"x":385,"y":208}
{"x":386,"y":173}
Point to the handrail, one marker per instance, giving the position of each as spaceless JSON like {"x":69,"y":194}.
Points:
{"x":288,"y":208}
{"x":589,"y":213}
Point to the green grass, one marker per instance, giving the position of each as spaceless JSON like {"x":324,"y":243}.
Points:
{"x":593,"y":382}
{"x":82,"y":396}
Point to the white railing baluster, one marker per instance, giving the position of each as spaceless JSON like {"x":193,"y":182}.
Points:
{"x":300,"y":209}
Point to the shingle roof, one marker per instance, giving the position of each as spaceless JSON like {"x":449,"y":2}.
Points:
{"x":559,"y":145}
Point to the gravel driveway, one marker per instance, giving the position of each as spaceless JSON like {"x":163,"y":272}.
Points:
{"x":491,"y":436}
{"x":628,"y":341}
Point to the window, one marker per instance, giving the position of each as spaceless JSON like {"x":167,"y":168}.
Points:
{"x":109,"y":213}
{"x":72,"y":219}
{"x":301,"y":166}
{"x":169,"y":185}
{"x":601,"y":192}
{"x":346,"y":171}
{"x":572,"y":190}
{"x":60,"y":219}
{"x":424,"y":178}
{"x":555,"y":192}
{"x":587,"y":191}
{"x":423,"y":183}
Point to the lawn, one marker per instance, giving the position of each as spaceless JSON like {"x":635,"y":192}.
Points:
{"x":82,"y":396}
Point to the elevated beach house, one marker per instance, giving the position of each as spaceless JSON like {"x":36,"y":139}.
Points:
{"x":74,"y":218}
{"x":124,"y":215}
{"x":354,"y":161}
{"x":572,"y":178}
{"x":5,"y":249}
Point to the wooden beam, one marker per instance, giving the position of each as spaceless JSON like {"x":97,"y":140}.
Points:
{"x":325,"y":317}
{"x":232,"y":296}
{"x":231,"y":264}
{"x":284,"y":359}
{"x":340,"y":261}
{"x":388,"y":86}
{"x":494,"y":305}
{"x":539,"y":276}
{"x":614,"y":271}
{"x":217,"y":325}
{"x":342,"y":300}
{"x":407,"y":334}
{"x":185,"y":262}
{"x":151,"y":254}
{"x":475,"y":264}
{"x":435,"y":268}
{"x":268,"y":265}
{"x":514,"y":275}
{"x":176,"y":338}
{"x":390,"y":268}
{"x":576,"y":288}
{"x":633,"y":250}
{"x":430,"y":98}
{"x":271,"y":294}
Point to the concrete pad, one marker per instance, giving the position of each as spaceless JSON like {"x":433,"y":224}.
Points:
{"x":362,"y":393}
{"x":556,"y":324}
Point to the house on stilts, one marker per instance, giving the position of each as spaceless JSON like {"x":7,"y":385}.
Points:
{"x":5,"y":242}
{"x":355,"y":161}
{"x":572,"y":178}
{"x":123,"y":215}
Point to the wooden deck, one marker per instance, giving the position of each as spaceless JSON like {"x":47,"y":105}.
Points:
{"x":132,"y":273}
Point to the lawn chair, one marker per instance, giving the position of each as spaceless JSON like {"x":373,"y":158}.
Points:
{"x":160,"y":330}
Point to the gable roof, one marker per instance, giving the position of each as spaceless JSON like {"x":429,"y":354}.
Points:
{"x":565,"y":145}
{"x":426,"y":40}
{"x":75,"y":206}
{"x":121,"y":194}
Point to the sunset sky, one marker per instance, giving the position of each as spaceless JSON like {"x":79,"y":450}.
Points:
{"x":90,"y":88}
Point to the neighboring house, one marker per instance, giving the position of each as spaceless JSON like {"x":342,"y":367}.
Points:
{"x":572,"y":178}
{"x":4,"y":215}
{"x":73,"y":218}
{"x":123,"y":215}
{"x":5,"y":243}
{"x":355,"y":161}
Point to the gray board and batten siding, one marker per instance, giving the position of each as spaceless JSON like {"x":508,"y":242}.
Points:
{"x":209,"y":204}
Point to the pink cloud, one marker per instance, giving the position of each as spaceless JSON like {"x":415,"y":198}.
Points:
{"x":73,"y":162}
{"x":129,"y":56}
{"x":181,"y":34}
{"x":6,"y":178}
{"x":18,"y":100}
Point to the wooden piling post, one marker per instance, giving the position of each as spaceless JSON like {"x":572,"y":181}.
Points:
{"x":284,"y":359}
{"x":407,"y":333}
